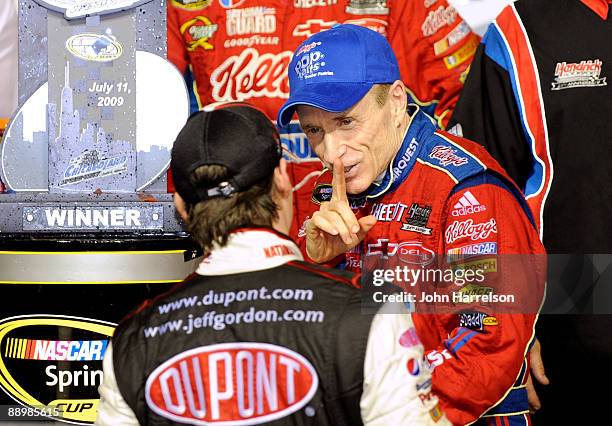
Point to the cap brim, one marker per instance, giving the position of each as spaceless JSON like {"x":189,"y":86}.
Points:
{"x":332,"y":97}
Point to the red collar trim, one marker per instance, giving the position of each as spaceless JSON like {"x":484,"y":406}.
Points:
{"x":600,"y":7}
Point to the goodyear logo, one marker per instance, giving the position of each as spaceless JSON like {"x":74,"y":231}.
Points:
{"x":94,"y":47}
{"x":54,"y":361}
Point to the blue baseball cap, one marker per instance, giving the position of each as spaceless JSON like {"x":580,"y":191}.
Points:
{"x":334,"y":69}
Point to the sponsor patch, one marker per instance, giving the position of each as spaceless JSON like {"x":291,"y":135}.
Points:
{"x":467,"y":204}
{"x":238,"y":383}
{"x":471,"y":250}
{"x":192,"y":4}
{"x":229,"y":4}
{"x":416,"y":219}
{"x":384,"y":212}
{"x":475,"y":290}
{"x":312,"y":26}
{"x":197,"y":32}
{"x":411,"y":252}
{"x":476,"y":320}
{"x":404,"y":161}
{"x":322,"y":193}
{"x":463,"y":54}
{"x":311,"y":64}
{"x":447,"y":156}
{"x":94,"y":47}
{"x":409,"y":338}
{"x":583,"y":74}
{"x":250,"y":20}
{"x":471,"y":230}
{"x":413,"y":367}
{"x":307,"y":4}
{"x":436,"y":413}
{"x":251,"y":75}
{"x":367,"y":7}
{"x":485,"y":265}
{"x":458,"y":33}
{"x":437,"y":19}
{"x":426,"y":385}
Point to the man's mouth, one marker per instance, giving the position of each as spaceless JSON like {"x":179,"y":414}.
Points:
{"x":348,"y":170}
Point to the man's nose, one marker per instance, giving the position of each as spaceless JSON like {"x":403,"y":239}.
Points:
{"x":334,"y":148}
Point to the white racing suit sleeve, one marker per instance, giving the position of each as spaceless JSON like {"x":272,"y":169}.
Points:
{"x":112,"y":410}
{"x":397,"y":382}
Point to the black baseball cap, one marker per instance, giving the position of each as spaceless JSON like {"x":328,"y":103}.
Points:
{"x":238,"y":137}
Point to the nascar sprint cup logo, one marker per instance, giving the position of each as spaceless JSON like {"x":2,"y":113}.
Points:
{"x":231,"y":383}
{"x":95,"y":47}
{"x":55,"y":362}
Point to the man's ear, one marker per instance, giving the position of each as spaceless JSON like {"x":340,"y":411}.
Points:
{"x":282,"y":181}
{"x":181,"y":207}
{"x":399,"y":101}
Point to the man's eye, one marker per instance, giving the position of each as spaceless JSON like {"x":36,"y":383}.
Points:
{"x":312,"y":131}
{"x":346,"y":121}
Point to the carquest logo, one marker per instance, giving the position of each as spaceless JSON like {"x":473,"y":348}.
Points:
{"x":94,"y":47}
{"x":54,"y":361}
{"x":231,"y":383}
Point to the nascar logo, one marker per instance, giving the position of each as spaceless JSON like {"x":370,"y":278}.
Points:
{"x":56,"y":350}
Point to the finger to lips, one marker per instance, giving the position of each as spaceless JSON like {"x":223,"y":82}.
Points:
{"x":339,"y":201}
{"x":338,"y":181}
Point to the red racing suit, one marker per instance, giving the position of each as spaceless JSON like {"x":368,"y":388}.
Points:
{"x":445,"y":195}
{"x":239,"y":50}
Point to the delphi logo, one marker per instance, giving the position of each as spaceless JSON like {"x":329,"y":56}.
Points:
{"x":231,"y":383}
{"x":54,"y":361}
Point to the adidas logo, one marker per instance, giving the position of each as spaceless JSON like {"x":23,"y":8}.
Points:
{"x":467,"y":204}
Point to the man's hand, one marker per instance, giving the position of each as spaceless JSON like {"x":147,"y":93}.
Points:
{"x":537,"y":371}
{"x":335,"y":229}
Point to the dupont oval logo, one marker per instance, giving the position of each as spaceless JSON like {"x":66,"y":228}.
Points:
{"x":414,"y":253}
{"x":231,"y":383}
{"x":94,"y":47}
{"x":56,"y":362}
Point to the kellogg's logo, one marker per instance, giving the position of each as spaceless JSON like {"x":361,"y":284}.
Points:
{"x":231,"y":383}
{"x":251,"y":75}
{"x":469,"y":229}
{"x":55,"y":362}
{"x":94,"y":47}
{"x":446,"y":156}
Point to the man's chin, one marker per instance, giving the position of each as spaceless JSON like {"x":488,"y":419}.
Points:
{"x":355,"y":188}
